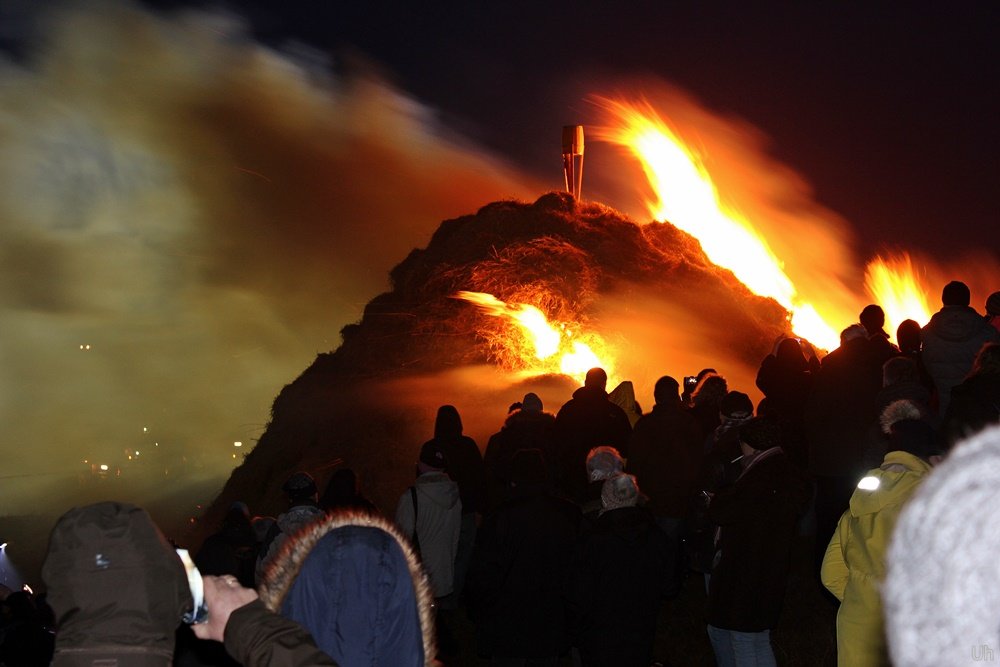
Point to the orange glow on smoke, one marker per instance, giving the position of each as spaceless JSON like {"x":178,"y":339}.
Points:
{"x":533,"y":344}
{"x":685,"y":195}
{"x":893,"y":284}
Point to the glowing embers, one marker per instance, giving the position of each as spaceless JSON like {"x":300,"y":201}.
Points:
{"x":686,"y":197}
{"x":529,"y":342}
{"x":893,"y":284}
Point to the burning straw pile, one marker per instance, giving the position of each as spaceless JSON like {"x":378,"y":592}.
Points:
{"x":560,"y":255}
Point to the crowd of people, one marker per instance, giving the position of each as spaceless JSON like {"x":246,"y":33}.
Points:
{"x":562,"y":539}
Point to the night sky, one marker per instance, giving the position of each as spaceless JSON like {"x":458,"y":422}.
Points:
{"x":889,"y":112}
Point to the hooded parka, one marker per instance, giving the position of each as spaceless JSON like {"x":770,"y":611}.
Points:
{"x":854,"y":565}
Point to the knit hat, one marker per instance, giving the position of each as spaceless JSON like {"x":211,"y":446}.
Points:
{"x":603,"y":462}
{"x":619,"y":490}
{"x":531,"y":402}
{"x":432,"y":456}
{"x":942,"y":587}
{"x":299,"y":485}
{"x":736,"y":405}
{"x":993,"y":304}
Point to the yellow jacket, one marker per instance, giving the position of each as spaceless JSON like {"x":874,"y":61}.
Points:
{"x":854,"y":565}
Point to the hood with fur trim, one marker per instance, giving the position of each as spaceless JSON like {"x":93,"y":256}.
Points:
{"x":353,"y":576}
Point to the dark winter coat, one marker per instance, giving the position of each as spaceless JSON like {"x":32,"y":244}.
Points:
{"x":353,"y":581}
{"x":523,"y":429}
{"x":465,"y":466}
{"x":257,"y":637}
{"x":665,"y":456}
{"x":974,"y":404}
{"x":757,"y":517}
{"x":518,"y":575}
{"x":117,"y":587}
{"x":841,"y":409}
{"x":231,"y":550}
{"x":586,"y":421}
{"x":623,"y":569}
{"x":951,"y":341}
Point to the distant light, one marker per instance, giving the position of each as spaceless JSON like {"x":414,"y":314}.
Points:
{"x":234,"y":456}
{"x":85,"y":346}
{"x":237,"y":444}
{"x":137,"y":452}
{"x":156,"y":444}
{"x":145,"y":430}
{"x":129,"y":457}
{"x":104,"y":467}
{"x":868,"y":483}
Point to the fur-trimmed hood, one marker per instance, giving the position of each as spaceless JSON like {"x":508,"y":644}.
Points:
{"x":354,"y":575}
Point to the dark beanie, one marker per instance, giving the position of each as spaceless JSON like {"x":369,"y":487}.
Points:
{"x":736,"y":405}
{"x":432,"y":456}
{"x":299,"y":485}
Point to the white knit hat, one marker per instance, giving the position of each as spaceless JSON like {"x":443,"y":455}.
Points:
{"x":942,"y":588}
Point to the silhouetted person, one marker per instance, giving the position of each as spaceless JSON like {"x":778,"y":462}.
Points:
{"x":465,"y":466}
{"x":343,"y":493}
{"x":757,"y":517}
{"x":623,"y":569}
{"x":786,"y":378}
{"x":872,"y":318}
{"x":705,"y":401}
{"x":841,"y":410}
{"x":232,"y":549}
{"x":952,"y":339}
{"x":518,"y":572}
{"x":586,"y":421}
{"x":24,"y":639}
{"x":665,"y":457}
{"x":993,"y":310}
{"x":603,"y":463}
{"x":303,"y":509}
{"x":975,"y":403}
{"x":909,"y":337}
{"x":527,"y":427}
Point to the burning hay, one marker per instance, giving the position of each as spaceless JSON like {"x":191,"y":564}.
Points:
{"x":567,"y":259}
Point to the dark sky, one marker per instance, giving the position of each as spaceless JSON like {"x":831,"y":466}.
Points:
{"x":890,"y":112}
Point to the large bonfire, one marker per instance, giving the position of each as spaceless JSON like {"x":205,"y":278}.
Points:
{"x":557,"y":257}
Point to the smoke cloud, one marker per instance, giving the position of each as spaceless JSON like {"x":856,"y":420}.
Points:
{"x":187,"y":218}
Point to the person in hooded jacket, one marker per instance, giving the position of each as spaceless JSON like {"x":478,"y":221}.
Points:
{"x":909,"y":338}
{"x":526,"y":427}
{"x":355,"y":583}
{"x":623,"y":569}
{"x":855,"y":561}
{"x":300,"y":489}
{"x":872,"y":318}
{"x":786,"y":378}
{"x":952,"y":339}
{"x":344,"y":492}
{"x":756,"y":518}
{"x":587,"y":420}
{"x":975,"y":403}
{"x":517,"y":575}
{"x":465,"y":466}
{"x":232,"y":549}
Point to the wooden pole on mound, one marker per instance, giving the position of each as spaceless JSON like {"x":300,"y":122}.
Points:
{"x":572,"y":148}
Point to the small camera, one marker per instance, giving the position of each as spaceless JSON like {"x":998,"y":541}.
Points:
{"x":690,"y":382}
{"x":199,"y":612}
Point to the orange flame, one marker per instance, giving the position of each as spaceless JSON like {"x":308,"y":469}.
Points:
{"x":893,"y":284}
{"x":686,"y":196}
{"x":539,"y":346}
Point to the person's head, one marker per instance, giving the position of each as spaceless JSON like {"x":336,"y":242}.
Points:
{"x":898,"y":411}
{"x":853,"y":332}
{"x":343,"y":485}
{"x":448,"y":423}
{"x":596,"y":378}
{"x":666,"y":391}
{"x":987,"y":360}
{"x":710,"y":390}
{"x":759,"y":435}
{"x":941,"y":592}
{"x":603,"y":462}
{"x":238,"y":516}
{"x":300,"y":487}
{"x":789,"y":353}
{"x":872,"y":318}
{"x":736,"y":407}
{"x":432,"y":458}
{"x":916,"y":437}
{"x":993,"y":304}
{"x":899,"y":369}
{"x":956,"y":293}
{"x":908,"y":336}
{"x":619,"y":490}
{"x":531,"y":402}
{"x":114,"y":583}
